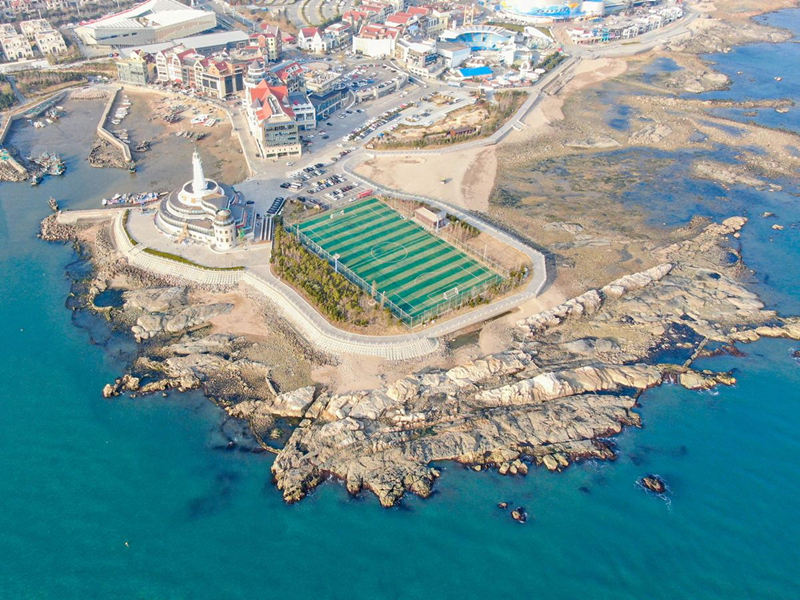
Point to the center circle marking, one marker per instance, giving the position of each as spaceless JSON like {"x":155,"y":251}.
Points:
{"x":381,"y":251}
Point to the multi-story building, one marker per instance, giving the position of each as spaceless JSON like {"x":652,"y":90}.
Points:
{"x":6,"y":30}
{"x":214,"y":76}
{"x":321,"y":82}
{"x":269,"y":42}
{"x":291,"y":75}
{"x":311,"y":39}
{"x":138,"y":68}
{"x":376,"y":41}
{"x":325,"y":104}
{"x":305,"y":115}
{"x":419,"y":57}
{"x":437,"y":21}
{"x":16,"y":47}
{"x":454,"y":54}
{"x":272,"y":121}
{"x":50,"y":42}
{"x":219,"y":78}
{"x":34,"y":26}
{"x":339,"y":36}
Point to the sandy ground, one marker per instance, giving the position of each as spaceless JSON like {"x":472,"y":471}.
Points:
{"x":220,"y":149}
{"x":468,"y":175}
{"x":548,"y":110}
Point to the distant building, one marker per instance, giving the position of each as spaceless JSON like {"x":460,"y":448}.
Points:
{"x":356,"y":18}
{"x":34,"y":26}
{"x":429,"y":219}
{"x":16,"y":47}
{"x":453,"y":53}
{"x":375,"y":41}
{"x":50,"y":42}
{"x":150,"y":22}
{"x":272,"y":121}
{"x":310,"y":39}
{"x":404,"y":21}
{"x":213,"y":76}
{"x":325,"y":104}
{"x":139,"y":68}
{"x":269,"y":43}
{"x":321,"y":82}
{"x":377,"y":11}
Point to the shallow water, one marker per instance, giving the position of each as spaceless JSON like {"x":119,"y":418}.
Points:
{"x":138,"y":499}
{"x":753,"y":70}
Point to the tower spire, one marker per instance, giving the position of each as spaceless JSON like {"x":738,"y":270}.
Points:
{"x":198,"y":178}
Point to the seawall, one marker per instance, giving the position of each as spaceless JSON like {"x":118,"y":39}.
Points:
{"x":106,"y":134}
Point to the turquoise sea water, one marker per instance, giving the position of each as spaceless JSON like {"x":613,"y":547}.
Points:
{"x":80,"y":476}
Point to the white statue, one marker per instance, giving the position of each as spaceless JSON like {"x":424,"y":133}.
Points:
{"x":198,"y":179}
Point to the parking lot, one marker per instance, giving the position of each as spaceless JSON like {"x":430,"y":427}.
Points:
{"x":332,"y":139}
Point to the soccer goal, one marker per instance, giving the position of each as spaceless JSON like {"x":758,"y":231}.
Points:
{"x":451,"y":293}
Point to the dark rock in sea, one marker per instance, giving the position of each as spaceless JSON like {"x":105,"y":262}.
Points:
{"x":796,"y":354}
{"x":519,"y":514}
{"x":654,"y":483}
{"x":585,"y":489}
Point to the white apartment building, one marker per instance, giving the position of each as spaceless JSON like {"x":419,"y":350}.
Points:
{"x":34,"y":26}
{"x":50,"y":42}
{"x":375,"y":41}
{"x":16,"y":47}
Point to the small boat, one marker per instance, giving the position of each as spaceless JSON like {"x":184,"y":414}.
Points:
{"x":132,"y":168}
{"x":778,"y":78}
{"x":36,"y":179}
{"x":53,"y":204}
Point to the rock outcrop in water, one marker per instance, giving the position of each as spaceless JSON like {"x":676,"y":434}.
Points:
{"x":570,"y":381}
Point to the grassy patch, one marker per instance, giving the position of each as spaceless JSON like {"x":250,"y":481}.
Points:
{"x":7,"y":98}
{"x":125,"y":216}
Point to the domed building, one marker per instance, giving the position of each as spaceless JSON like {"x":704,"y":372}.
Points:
{"x":199,"y":210}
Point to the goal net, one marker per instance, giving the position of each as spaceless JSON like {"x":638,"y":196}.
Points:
{"x":450,"y":293}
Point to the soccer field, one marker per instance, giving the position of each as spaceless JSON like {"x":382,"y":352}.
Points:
{"x":417,"y":274}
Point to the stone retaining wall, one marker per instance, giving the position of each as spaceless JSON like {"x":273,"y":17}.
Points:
{"x":314,"y":328}
{"x":106,"y":134}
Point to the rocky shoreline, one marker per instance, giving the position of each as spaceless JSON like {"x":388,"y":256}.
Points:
{"x":568,"y":382}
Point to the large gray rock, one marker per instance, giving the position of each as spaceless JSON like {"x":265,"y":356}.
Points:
{"x":156,"y":300}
